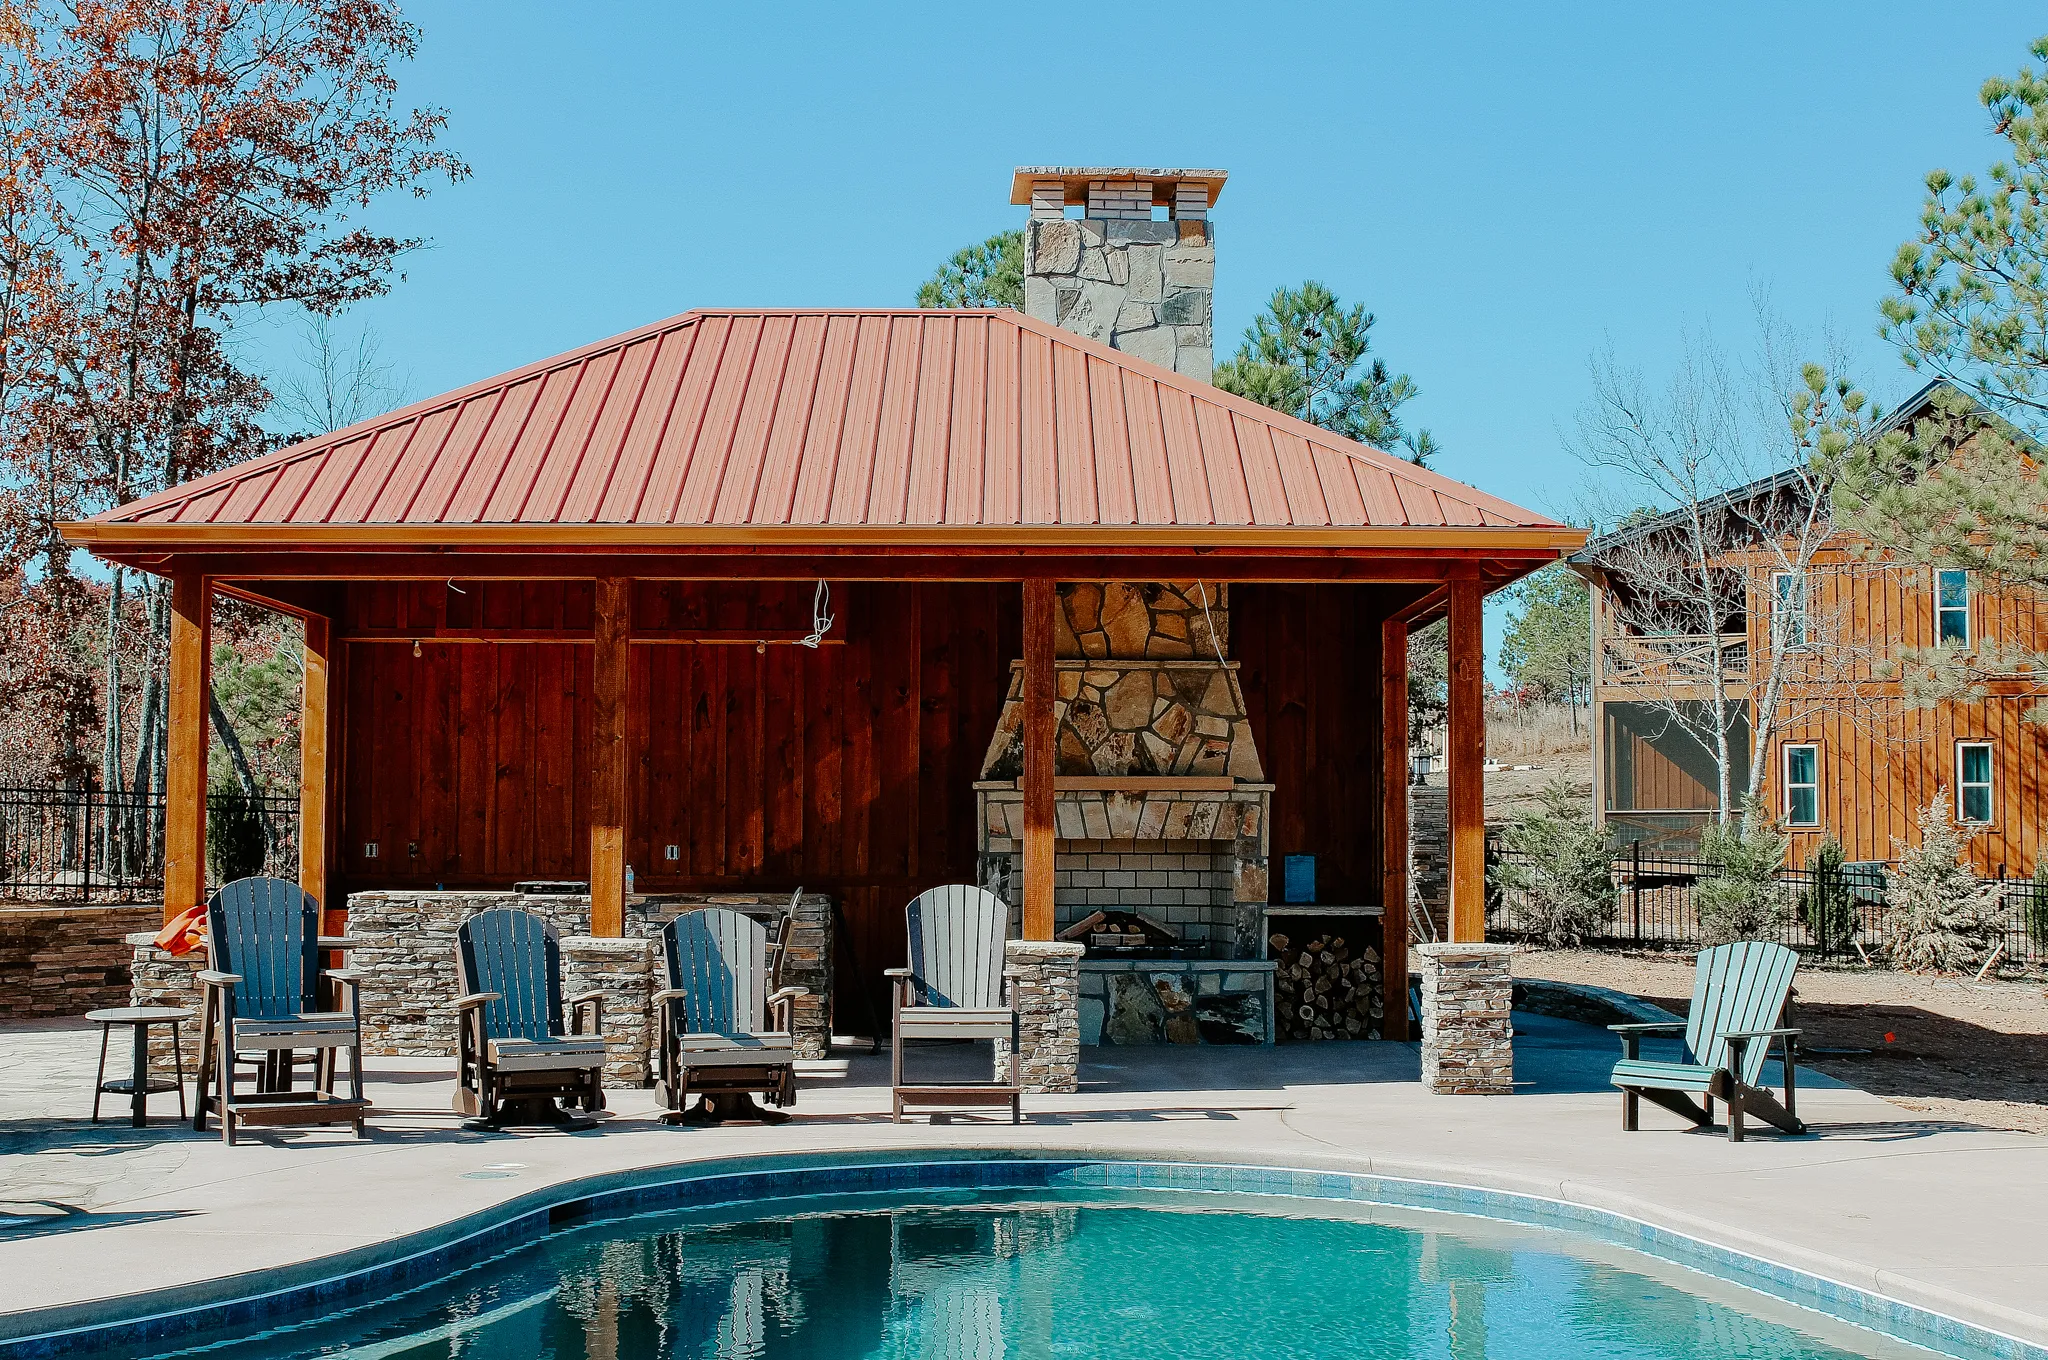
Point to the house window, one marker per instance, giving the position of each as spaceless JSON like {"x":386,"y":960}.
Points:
{"x":1788,"y":610}
{"x":1802,"y":786}
{"x":1973,"y":781}
{"x":1952,"y":608}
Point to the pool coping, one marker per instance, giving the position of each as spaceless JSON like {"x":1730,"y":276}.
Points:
{"x":163,"y":1316}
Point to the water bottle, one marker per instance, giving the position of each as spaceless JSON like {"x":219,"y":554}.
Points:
{"x":629,"y":880}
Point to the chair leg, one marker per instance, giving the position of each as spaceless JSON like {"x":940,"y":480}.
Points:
{"x":178,"y":1065}
{"x":1631,"y":1110}
{"x":99,"y":1078}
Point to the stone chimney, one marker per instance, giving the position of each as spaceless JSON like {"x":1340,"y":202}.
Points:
{"x":1136,"y":270}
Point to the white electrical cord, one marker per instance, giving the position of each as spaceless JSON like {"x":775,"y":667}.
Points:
{"x":821,"y":621}
{"x":1211,"y":619}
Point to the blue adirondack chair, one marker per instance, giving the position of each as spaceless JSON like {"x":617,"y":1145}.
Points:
{"x":261,"y":996}
{"x":954,"y":988}
{"x":1740,"y":995}
{"x":514,"y":1060}
{"x":725,"y":1034}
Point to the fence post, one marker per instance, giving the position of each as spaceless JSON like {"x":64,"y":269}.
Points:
{"x":1635,"y":886}
{"x":86,"y":878}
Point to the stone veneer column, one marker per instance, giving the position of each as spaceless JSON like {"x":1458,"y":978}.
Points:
{"x":623,"y":971}
{"x":157,"y":979}
{"x":1045,"y":987}
{"x":1467,"y":1032}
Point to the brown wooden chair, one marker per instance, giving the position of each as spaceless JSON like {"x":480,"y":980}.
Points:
{"x":514,"y":1061}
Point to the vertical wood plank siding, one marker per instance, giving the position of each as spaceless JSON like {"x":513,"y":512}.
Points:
{"x":848,"y":769}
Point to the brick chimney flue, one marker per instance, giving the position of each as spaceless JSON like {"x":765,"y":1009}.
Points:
{"x":1136,"y":269}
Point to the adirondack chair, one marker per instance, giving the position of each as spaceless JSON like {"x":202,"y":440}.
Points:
{"x":1740,"y":994}
{"x":724,"y":1034}
{"x":261,"y":997}
{"x":954,"y":988}
{"x":513,"y":1061}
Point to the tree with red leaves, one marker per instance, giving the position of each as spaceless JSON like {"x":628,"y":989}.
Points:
{"x":167,"y":169}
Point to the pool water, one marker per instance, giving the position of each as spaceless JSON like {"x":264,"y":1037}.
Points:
{"x":1065,"y":1274}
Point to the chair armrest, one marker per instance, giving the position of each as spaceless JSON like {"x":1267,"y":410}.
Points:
{"x":1763,"y":1034}
{"x":900,"y":974}
{"x":351,"y":976}
{"x":210,"y":978}
{"x":588,"y":998}
{"x":595,"y":1002}
{"x":339,"y":942}
{"x":668,"y":994}
{"x":1649,"y":1027}
{"x":474,"y":1000}
{"x":787,"y":994}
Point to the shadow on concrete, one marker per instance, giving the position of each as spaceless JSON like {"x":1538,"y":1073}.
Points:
{"x":46,"y":1218}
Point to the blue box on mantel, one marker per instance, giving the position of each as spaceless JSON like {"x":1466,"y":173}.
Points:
{"x":1298,"y":878}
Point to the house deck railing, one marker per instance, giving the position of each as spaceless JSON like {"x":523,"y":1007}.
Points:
{"x":1671,"y":658}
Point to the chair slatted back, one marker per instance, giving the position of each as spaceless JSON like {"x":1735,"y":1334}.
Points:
{"x":719,"y":957}
{"x":1737,"y":987}
{"x":518,"y":955}
{"x":267,"y":932}
{"x":956,"y":946}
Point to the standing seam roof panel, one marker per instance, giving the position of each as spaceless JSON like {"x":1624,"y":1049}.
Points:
{"x":918,"y":418}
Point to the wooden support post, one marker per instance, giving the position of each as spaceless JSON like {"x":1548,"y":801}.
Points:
{"x":185,"y":763}
{"x":313,"y":790}
{"x":608,"y":758}
{"x":1394,"y":828}
{"x":1466,"y":742}
{"x":1041,"y":685}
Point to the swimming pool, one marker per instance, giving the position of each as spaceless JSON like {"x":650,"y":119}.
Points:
{"x":1055,"y":1259}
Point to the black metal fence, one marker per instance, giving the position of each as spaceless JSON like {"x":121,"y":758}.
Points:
{"x":86,"y":845}
{"x":1654,"y":908}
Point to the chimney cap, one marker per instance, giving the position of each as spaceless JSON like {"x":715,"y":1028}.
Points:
{"x":1076,"y":178}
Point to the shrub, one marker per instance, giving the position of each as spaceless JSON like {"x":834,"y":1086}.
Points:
{"x":1560,"y":867}
{"x":1826,"y":905}
{"x":1740,"y":899}
{"x":236,"y":841}
{"x":2037,"y":907}
{"x":1939,"y":916}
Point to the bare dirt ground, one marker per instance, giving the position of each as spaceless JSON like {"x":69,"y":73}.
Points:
{"x":1972,"y":1052}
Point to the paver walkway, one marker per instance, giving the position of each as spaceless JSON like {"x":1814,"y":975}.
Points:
{"x":1940,"y":1215}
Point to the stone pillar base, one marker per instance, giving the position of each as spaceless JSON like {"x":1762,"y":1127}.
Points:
{"x":623,"y":970}
{"x":157,"y":979}
{"x":1045,"y":987}
{"x":1467,"y":1032}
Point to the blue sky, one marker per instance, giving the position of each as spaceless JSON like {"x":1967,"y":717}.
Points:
{"x":1509,"y":188}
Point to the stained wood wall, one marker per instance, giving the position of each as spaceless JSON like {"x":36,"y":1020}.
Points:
{"x":848,"y":769}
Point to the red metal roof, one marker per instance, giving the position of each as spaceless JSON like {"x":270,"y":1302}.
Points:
{"x":757,"y":421}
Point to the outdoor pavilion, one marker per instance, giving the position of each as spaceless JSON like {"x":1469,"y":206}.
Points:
{"x":553,"y":619}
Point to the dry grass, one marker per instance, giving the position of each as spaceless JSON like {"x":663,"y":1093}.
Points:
{"x":1536,"y":731}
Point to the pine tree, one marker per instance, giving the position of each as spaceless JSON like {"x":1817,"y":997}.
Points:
{"x":1308,"y":355}
{"x":990,"y":274}
{"x":1740,"y":899}
{"x":1939,"y":916}
{"x":1560,"y":868}
{"x":1827,"y":906}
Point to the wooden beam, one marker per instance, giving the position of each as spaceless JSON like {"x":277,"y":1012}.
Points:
{"x":1040,"y":688}
{"x":609,"y":708}
{"x":1394,"y":827}
{"x":1466,"y":742}
{"x":185,"y":766}
{"x":314,"y":785}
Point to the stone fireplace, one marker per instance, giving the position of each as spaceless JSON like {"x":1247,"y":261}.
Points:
{"x":1160,"y":803}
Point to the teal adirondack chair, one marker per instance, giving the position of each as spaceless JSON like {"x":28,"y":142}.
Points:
{"x":513,"y":1059}
{"x":724,"y":1035}
{"x":262,"y":1002}
{"x":1739,"y":995}
{"x":954,"y":988}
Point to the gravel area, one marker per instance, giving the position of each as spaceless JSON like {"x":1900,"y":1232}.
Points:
{"x":1972,"y":1052}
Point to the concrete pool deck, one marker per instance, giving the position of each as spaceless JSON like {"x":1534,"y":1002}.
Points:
{"x":1936,"y":1215}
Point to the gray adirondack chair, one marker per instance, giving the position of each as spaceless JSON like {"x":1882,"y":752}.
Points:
{"x":261,"y":998}
{"x":513,"y":1058}
{"x":725,"y":1034}
{"x":1739,"y":998}
{"x":954,"y":988}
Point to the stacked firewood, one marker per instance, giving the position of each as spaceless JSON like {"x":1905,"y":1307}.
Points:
{"x":1324,"y":989}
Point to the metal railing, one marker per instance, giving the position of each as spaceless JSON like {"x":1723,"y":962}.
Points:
{"x":1654,"y":907}
{"x":71,"y":845}
{"x":1666,"y":658}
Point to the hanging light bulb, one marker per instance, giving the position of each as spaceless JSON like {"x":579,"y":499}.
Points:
{"x":415,"y":646}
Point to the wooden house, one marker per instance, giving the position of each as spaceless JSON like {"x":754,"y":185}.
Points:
{"x":1850,"y":755}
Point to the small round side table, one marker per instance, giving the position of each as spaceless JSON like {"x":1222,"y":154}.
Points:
{"x":138,"y":1087}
